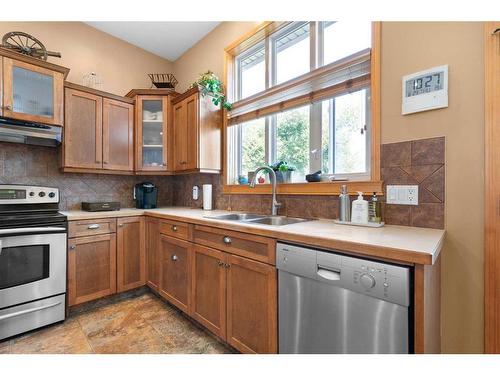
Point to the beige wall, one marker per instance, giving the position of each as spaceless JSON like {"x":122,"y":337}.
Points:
{"x":407,"y":48}
{"x":208,"y":53}
{"x":410,"y":47}
{"x":85,"y":49}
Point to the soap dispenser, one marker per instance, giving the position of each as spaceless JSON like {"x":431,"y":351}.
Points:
{"x":359,"y":210}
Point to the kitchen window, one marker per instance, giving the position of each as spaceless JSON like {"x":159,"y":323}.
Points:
{"x":302,"y":93}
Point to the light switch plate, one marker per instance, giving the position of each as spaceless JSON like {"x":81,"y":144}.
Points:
{"x":402,"y":194}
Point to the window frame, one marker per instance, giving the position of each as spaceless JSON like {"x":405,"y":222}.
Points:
{"x":265,"y":32}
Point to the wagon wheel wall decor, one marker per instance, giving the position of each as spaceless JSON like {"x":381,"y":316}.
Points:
{"x":27,"y":45}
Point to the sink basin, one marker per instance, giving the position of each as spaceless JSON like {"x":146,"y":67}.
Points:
{"x":277,"y":220}
{"x":236,"y":217}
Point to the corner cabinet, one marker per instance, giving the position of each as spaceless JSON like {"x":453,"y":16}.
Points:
{"x":98,"y":132}
{"x":31,"y":89}
{"x":197,"y":133}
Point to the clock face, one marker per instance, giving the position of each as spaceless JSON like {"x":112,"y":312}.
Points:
{"x":424,"y":84}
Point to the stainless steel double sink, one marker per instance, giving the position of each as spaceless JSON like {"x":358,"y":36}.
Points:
{"x":259,"y":219}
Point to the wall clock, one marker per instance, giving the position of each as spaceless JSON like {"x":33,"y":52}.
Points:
{"x":425,"y":90}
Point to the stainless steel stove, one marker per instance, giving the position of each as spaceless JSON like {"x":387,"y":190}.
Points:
{"x":33,"y":236}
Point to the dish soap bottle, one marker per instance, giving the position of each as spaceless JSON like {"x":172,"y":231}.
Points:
{"x":374,"y":211}
{"x":344,"y":205}
{"x":359,"y":210}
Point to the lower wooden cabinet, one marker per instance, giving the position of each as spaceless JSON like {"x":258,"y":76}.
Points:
{"x":175,"y":278}
{"x":152,"y":252}
{"x":252,"y":311}
{"x":91,"y":268}
{"x":208,"y":301}
{"x":131,"y":253}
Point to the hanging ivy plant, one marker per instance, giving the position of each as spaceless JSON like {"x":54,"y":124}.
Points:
{"x":210,"y":84}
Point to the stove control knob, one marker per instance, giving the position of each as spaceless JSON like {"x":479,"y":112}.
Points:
{"x":41,"y":194}
{"x":368,"y":281}
{"x":52,"y":194}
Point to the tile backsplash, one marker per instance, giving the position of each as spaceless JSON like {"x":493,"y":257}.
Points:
{"x":420,"y":162}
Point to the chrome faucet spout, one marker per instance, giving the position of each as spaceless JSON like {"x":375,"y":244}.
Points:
{"x":272,"y":176}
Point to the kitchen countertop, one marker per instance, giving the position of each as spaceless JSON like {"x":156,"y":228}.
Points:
{"x":397,"y":243}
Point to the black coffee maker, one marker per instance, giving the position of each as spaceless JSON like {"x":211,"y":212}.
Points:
{"x":145,"y":195}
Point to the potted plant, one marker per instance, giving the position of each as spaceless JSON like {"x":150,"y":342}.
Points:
{"x":210,"y":84}
{"x":283,"y":171}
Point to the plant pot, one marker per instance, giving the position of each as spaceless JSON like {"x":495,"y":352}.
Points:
{"x":283,"y":177}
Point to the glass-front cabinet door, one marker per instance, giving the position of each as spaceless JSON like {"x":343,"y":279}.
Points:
{"x":152,"y":120}
{"x":32,"y":93}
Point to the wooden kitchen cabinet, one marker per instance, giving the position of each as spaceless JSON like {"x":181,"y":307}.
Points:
{"x":152,"y":253}
{"x":131,"y":253}
{"x":208,"y":298}
{"x":197,"y":133}
{"x":175,"y":277}
{"x":252,"y":311}
{"x":153,"y":130}
{"x":32,"y":89}
{"x":98,"y":131}
{"x":91,"y":268}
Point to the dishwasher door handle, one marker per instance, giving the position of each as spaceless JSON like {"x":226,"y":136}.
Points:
{"x":329,"y":274}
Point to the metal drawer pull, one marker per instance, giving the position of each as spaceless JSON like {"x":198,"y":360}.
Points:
{"x":227,"y":239}
{"x":120,"y":225}
{"x":72,"y":247}
{"x":93,"y":226}
{"x":175,"y":258}
{"x":174,"y":228}
{"x":328,"y":273}
{"x":13,"y":315}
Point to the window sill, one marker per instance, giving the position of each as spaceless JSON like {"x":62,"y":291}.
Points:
{"x":312,"y":188}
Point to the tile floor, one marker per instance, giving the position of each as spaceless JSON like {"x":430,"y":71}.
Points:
{"x":137,"y":324}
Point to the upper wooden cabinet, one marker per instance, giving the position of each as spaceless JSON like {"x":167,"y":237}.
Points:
{"x":197,"y":133}
{"x":153,"y":130}
{"x":31,"y":89}
{"x":98,"y":131}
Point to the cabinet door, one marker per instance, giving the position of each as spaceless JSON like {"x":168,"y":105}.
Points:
{"x":152,"y":133}
{"x":175,"y":278}
{"x":117,"y":135}
{"x":32,"y":93}
{"x":208,"y":301}
{"x":82,"y":130}
{"x":131,"y":253}
{"x":192,"y":131}
{"x":152,"y":252}
{"x":180,"y":136}
{"x":251,"y":306}
{"x":91,"y":268}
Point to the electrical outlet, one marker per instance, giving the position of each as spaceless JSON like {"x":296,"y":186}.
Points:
{"x":402,"y":194}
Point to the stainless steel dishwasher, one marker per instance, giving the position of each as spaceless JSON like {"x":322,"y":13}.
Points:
{"x":331,"y":303}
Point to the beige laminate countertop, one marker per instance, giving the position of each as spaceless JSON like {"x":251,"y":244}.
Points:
{"x":398,"y":243}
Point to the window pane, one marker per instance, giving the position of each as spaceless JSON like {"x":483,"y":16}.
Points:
{"x":341,"y":39}
{"x":344,"y":142}
{"x":292,"y":140}
{"x":292,"y":54}
{"x":253,"y":154}
{"x":252,"y":73}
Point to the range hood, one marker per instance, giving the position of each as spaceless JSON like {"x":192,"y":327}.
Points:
{"x":30,"y":133}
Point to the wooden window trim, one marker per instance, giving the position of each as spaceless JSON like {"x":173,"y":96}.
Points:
{"x":258,"y":34}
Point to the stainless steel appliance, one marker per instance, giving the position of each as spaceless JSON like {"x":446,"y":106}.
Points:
{"x":32,"y":258}
{"x":31,"y":133}
{"x":332,"y":303}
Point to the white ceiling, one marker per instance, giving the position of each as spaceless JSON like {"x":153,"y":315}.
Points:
{"x":166,"y":39}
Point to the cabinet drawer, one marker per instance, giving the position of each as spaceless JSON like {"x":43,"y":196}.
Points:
{"x":247,"y":245}
{"x":82,"y":228}
{"x":175,"y":229}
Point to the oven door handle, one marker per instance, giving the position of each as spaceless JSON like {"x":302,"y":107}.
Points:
{"x":28,"y":311}
{"x":31,"y":230}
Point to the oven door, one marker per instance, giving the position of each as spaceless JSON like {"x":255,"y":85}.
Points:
{"x":32,"y":264}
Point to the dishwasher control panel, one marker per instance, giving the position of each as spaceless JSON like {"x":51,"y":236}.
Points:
{"x":373,"y":278}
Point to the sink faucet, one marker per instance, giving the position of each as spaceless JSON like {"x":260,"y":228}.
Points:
{"x":275,"y":204}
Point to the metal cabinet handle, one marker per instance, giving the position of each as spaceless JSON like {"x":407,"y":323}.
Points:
{"x":72,"y":247}
{"x":7,"y":108}
{"x":219,"y":263}
{"x":227,"y":265}
{"x":120,"y":225}
{"x":93,"y":226}
{"x":175,"y":258}
{"x":174,"y":228}
{"x":227,"y":239}
{"x":164,"y":164}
